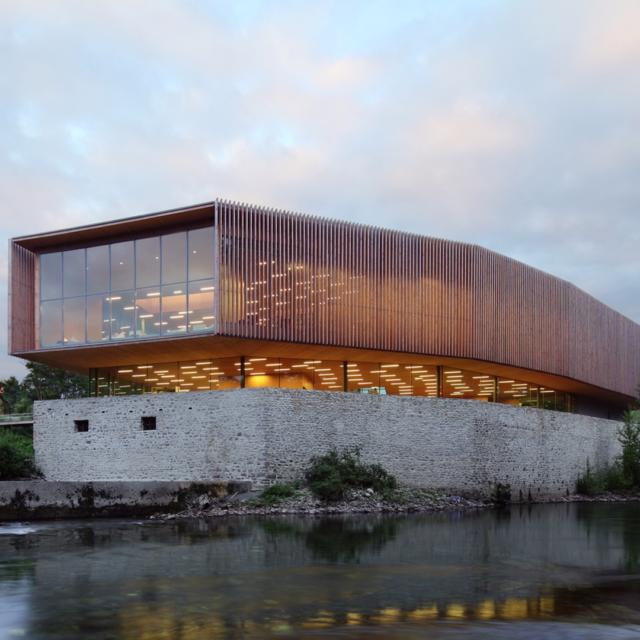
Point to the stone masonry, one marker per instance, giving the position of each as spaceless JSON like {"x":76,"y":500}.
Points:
{"x":269,"y":435}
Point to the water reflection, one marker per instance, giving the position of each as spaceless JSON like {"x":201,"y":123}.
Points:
{"x":337,"y":539}
{"x":505,"y":575}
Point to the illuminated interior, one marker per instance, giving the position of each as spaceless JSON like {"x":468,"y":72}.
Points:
{"x":389,"y":378}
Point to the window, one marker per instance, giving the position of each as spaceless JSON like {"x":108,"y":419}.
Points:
{"x":73,"y":273}
{"x":201,"y":305}
{"x":98,"y":318}
{"x":148,"y":423}
{"x":139,"y":288}
{"x":174,"y":252}
{"x":147,"y":262}
{"x":201,"y":253}
{"x":98,"y":269}
{"x":148,"y":312}
{"x":81,"y":426}
{"x":50,"y":276}
{"x":51,"y":323}
{"x":73,"y":313}
{"x":122,"y":315}
{"x":174,"y":308}
{"x":121,"y":266}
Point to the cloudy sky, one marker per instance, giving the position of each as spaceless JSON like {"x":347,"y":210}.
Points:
{"x":515,"y":125}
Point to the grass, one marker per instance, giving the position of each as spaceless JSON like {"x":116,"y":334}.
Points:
{"x":275,"y":494}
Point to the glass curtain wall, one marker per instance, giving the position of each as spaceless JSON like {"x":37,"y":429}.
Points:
{"x":142,"y":288}
{"x":325,"y":375}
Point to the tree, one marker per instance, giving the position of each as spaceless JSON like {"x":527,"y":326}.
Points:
{"x":41,"y":383}
{"x":46,"y":383}
{"x":9,"y":394}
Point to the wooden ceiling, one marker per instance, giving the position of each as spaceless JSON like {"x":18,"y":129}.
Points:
{"x":190,"y":347}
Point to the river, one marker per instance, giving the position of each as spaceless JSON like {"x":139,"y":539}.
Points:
{"x":541,"y":571}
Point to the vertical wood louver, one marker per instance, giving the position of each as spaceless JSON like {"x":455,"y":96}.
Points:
{"x":296,"y":278}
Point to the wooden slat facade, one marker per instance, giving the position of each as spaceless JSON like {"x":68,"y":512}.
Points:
{"x":342,"y":284}
{"x":22,"y":322}
{"x":299,"y":279}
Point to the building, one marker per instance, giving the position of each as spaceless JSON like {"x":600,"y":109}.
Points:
{"x":222,"y":296}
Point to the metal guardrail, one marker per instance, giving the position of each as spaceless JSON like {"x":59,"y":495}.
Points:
{"x":16,"y":418}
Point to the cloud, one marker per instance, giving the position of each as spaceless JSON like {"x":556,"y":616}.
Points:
{"x":508,"y":124}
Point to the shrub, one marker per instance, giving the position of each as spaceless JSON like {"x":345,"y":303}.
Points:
{"x":331,"y":475}
{"x":624,"y":473}
{"x":501,"y":493}
{"x":612,"y":478}
{"x":589,"y":483}
{"x":16,"y":456}
{"x":629,"y":438}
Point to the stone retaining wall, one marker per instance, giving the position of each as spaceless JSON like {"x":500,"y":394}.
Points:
{"x":267,"y":435}
{"x":36,"y":499}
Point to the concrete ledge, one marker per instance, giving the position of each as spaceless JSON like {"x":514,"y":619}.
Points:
{"x":41,"y":499}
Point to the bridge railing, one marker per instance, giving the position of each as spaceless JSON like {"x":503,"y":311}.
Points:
{"x":13,"y":418}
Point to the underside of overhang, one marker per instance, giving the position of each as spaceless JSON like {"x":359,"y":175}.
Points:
{"x":179,"y":349}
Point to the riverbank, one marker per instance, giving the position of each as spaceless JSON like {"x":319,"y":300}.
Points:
{"x":303,"y":502}
{"x":43,"y":500}
{"x":402,"y":500}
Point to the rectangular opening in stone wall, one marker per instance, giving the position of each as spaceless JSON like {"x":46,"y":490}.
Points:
{"x":148,"y":423}
{"x":81,"y":426}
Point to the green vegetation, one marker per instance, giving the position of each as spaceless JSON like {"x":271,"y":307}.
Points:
{"x":16,"y":456}
{"x":501,"y":494}
{"x":40,"y":383}
{"x":275,"y":493}
{"x":331,"y":475}
{"x":629,"y":437}
{"x":624,"y":473}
